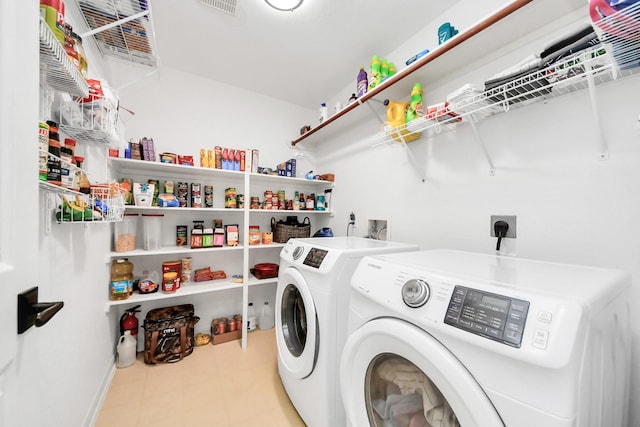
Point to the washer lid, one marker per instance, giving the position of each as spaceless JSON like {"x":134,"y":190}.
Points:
{"x":296,"y":324}
{"x":394,"y":339}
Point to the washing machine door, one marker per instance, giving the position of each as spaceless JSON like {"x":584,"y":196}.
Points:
{"x":296,"y":324}
{"x":394,"y":373}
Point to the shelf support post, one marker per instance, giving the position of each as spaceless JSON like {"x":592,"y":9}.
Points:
{"x":476,"y":134}
{"x":603,"y":146}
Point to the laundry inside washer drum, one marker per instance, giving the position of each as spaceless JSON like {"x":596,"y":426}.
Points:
{"x":294,"y":320}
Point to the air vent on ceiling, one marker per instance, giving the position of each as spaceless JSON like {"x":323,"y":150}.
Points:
{"x":226,"y":6}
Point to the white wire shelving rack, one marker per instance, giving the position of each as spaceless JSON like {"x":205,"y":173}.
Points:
{"x":122,"y":29}
{"x":57,"y":68}
{"x":615,"y":58}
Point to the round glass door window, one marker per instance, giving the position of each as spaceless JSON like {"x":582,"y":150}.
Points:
{"x":399,"y":394}
{"x":294,"y":320}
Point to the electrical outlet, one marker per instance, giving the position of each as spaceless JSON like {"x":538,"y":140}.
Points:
{"x":352,"y":220}
{"x":509,"y":219}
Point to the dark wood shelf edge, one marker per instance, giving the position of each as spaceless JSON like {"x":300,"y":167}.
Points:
{"x":459,"y":39}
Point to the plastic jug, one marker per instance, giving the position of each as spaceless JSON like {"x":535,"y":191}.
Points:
{"x":126,"y":350}
{"x":267,"y":317}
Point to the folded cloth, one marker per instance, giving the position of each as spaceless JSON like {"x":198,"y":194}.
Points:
{"x":518,"y":87}
{"x":583,"y":33}
{"x":578,"y":42}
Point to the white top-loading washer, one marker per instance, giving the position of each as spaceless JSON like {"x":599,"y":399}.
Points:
{"x":502,"y":340}
{"x":312,"y":299}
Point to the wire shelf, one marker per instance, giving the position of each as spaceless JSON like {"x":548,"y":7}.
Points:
{"x":122,"y":29}
{"x":97,"y":121}
{"x":89,"y":208}
{"x":59,"y":71}
{"x":559,"y":79}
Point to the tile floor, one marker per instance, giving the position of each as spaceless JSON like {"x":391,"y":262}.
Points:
{"x":216,"y":386}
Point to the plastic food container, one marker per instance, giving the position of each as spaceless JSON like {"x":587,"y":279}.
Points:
{"x":151,"y":231}
{"x":124,"y":238}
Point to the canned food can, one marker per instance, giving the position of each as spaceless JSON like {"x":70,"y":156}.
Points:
{"x":240,"y":201}
{"x":183,"y":193}
{"x":172,"y":267}
{"x":196,"y":195}
{"x":208,"y":196}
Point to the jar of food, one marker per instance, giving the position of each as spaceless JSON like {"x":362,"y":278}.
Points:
{"x":121,"y":286}
{"x":125,"y":233}
{"x":82,"y":57}
{"x":254,"y":234}
{"x":53,"y":163}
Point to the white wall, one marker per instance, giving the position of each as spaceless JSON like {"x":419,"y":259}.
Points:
{"x":72,"y":359}
{"x":570,"y":205}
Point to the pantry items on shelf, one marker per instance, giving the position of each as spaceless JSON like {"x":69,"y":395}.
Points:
{"x":171,"y":274}
{"x":121,"y":283}
{"x":229,"y":159}
{"x":143,"y":193}
{"x":224,"y":329}
{"x":125,"y":233}
{"x":103,"y":203}
{"x":206,"y":274}
{"x":287,"y":168}
{"x":52,"y":11}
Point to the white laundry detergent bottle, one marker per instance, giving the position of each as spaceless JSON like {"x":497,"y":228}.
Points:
{"x":126,"y":350}
{"x":267,"y":318}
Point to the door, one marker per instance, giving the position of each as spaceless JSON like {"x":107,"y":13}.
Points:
{"x":296,"y":324}
{"x":393,"y":373}
{"x":18,"y":186}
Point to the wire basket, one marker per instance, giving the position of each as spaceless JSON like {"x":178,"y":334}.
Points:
{"x":282,"y":232}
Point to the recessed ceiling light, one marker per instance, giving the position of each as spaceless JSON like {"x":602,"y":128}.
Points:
{"x":284,"y":5}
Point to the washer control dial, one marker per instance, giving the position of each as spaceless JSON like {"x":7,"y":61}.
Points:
{"x":297,"y":252}
{"x":416,"y":293}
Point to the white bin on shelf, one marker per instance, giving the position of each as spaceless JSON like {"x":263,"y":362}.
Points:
{"x":151,"y":231}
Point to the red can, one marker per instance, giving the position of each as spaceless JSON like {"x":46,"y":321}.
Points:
{"x":175,"y":267}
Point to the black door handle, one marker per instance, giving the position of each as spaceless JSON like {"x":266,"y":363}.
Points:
{"x":31,"y":312}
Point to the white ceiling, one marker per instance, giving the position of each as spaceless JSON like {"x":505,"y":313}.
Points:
{"x":303,"y":57}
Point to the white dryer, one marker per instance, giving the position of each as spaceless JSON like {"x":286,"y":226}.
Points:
{"x":311,"y":319}
{"x":449,"y":338}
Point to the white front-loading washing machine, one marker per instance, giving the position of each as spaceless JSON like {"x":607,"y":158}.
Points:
{"x":311,"y":319}
{"x":449,"y":338}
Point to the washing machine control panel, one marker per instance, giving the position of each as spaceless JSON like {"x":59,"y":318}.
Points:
{"x":415,"y":293}
{"x":315,"y":257}
{"x":490,"y":315}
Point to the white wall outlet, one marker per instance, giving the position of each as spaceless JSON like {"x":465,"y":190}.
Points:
{"x":509,"y":219}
